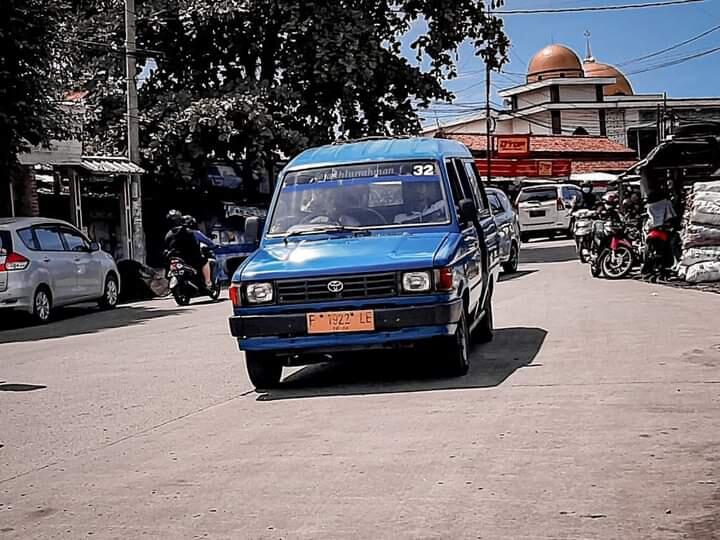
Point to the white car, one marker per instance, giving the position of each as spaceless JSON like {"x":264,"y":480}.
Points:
{"x":546,"y":210}
{"x":47,"y":263}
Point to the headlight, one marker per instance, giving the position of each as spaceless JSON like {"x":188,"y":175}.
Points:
{"x":259,"y":293}
{"x":416,"y":281}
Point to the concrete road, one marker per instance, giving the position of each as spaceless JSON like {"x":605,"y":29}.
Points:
{"x":593,"y":414}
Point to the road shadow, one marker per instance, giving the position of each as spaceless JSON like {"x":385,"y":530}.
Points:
{"x":515,"y":275}
{"x":530,"y":254}
{"x":73,"y":321}
{"x":16,"y":387}
{"x":387,"y":373}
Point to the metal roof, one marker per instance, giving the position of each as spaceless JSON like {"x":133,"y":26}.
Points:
{"x":110,"y":165}
{"x":379,"y":150}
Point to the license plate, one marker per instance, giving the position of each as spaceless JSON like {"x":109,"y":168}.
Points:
{"x":537,"y":213}
{"x":340,"y":321}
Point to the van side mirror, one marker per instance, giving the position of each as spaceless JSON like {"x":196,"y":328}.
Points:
{"x":253,"y":229}
{"x":468,"y":211}
{"x":94,"y":246}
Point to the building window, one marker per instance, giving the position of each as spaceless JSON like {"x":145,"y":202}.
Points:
{"x":603,"y":122}
{"x":556,"y":124}
{"x":642,"y":140}
{"x":599,"y":94}
{"x":514,"y":103}
{"x":554,"y":94}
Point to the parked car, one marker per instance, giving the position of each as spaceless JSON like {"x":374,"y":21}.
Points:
{"x":47,"y":263}
{"x":508,"y":226}
{"x":385,"y":243}
{"x":546,"y":210}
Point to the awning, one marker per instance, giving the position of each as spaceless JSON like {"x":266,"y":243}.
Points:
{"x":102,"y":165}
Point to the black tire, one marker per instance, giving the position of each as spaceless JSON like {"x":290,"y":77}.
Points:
{"x":484,"y":332}
{"x":457,"y":349}
{"x":623,"y":271}
{"x":595,"y":269}
{"x":42,"y":305}
{"x":215,"y":291}
{"x":511,"y":266}
{"x":264,"y":370}
{"x":111,"y":293}
{"x":181,"y":299}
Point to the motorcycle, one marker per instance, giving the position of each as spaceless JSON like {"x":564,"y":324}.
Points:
{"x":187,"y":283}
{"x":583,"y":232}
{"x":613,"y":253}
{"x":661,"y":252}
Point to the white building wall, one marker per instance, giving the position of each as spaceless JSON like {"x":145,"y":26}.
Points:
{"x":571,"y":119}
{"x":537,"y":124}
{"x":536,"y":97}
{"x":617,"y":125}
{"x":577,"y":94}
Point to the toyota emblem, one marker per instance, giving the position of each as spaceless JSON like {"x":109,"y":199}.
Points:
{"x":335,"y":286}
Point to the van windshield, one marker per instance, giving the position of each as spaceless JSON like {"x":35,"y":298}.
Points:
{"x":367,"y":196}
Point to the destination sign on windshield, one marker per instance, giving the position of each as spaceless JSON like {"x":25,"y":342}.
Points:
{"x":365,"y":170}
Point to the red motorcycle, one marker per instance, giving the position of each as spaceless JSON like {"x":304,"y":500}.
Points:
{"x":613,"y":253}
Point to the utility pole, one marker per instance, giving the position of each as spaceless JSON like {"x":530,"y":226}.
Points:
{"x":488,"y":120}
{"x":135,"y":226}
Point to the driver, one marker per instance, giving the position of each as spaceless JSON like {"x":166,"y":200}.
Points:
{"x":422,"y":203}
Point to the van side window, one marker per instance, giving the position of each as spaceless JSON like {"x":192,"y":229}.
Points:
{"x":457,"y":190}
{"x":476,"y":183}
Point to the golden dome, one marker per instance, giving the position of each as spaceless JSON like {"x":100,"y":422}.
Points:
{"x":622,"y":86}
{"x":554,"y":61}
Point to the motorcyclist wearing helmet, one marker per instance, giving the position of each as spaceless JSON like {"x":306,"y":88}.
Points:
{"x":589,"y":201}
{"x":192,"y":224}
{"x":181,"y":242}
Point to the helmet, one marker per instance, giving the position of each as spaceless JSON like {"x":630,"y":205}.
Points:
{"x":190,"y":222}
{"x":174,"y":217}
{"x":611,"y":198}
{"x":586,"y":187}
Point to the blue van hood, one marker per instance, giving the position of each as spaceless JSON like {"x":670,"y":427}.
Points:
{"x":343,"y":254}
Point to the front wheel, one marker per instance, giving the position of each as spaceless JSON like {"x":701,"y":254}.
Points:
{"x":511,"y":266}
{"x":617,"y":264}
{"x":264,"y":370}
{"x":111,"y":293}
{"x":458,"y":349}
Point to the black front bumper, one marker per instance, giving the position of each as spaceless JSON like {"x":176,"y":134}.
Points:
{"x":386,"y":319}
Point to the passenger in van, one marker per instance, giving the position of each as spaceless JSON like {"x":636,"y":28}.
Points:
{"x":423,"y":203}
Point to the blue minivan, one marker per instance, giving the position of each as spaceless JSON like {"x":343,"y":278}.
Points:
{"x":375,"y":244}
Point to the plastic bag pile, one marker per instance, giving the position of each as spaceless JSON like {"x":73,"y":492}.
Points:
{"x":701,"y":235}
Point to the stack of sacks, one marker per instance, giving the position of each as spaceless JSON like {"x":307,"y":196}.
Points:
{"x":701,"y":234}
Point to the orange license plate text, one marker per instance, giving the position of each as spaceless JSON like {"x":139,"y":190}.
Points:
{"x":340,"y":321}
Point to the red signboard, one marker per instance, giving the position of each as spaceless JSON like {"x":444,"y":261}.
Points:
{"x":513,"y":145}
{"x":533,"y":168}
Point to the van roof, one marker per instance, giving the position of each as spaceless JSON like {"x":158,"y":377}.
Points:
{"x":382,"y":149}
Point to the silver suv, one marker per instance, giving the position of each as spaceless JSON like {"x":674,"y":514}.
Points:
{"x":47,"y":263}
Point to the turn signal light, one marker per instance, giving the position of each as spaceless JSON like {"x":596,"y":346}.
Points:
{"x":444,"y":280}
{"x":234,"y":292}
{"x":14,"y":261}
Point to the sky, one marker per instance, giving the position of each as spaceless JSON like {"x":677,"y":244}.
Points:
{"x":616,"y":37}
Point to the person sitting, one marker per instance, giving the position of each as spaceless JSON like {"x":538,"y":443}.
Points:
{"x":181,"y":242}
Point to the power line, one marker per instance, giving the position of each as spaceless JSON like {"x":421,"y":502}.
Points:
{"x":596,"y":8}
{"x":675,"y":62}
{"x":672,"y":47}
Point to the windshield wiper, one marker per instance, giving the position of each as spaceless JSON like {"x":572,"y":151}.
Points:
{"x":320,"y":229}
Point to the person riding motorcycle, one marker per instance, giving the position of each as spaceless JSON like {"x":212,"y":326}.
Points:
{"x":191,"y":223}
{"x":180,"y":241}
{"x":589,"y":200}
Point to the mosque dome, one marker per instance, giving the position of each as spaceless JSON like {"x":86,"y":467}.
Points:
{"x":622,"y":86}
{"x":554,"y":61}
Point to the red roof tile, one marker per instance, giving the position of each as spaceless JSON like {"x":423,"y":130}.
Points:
{"x":560,"y":144}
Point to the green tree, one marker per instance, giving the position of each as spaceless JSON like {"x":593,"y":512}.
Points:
{"x":248,"y":80}
{"x":31,"y":78}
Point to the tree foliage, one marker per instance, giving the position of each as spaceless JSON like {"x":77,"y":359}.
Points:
{"x":32,"y":80}
{"x":248,"y":80}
